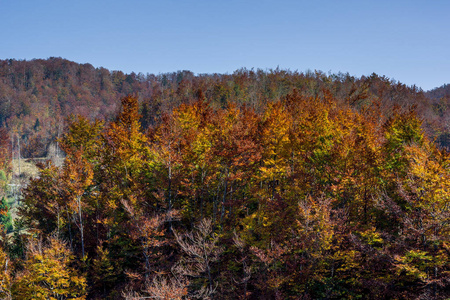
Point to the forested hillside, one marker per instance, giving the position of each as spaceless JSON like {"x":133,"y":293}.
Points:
{"x":440,"y":92}
{"x":37,"y":96}
{"x":441,"y":107}
{"x":254,"y":185}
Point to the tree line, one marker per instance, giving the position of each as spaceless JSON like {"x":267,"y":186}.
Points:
{"x":37,"y":96}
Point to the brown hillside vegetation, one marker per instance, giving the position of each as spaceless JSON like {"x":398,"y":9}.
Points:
{"x":37,"y":96}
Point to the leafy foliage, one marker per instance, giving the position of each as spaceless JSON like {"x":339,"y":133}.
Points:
{"x":47,"y":273}
{"x":306,"y":197}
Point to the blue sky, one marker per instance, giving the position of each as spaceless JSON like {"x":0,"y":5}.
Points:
{"x":408,"y":41}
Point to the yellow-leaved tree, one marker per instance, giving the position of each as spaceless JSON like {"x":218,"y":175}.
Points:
{"x":48,"y":273}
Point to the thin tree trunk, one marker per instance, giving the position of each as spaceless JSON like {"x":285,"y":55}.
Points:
{"x":12,"y":150}
{"x":59,"y":222}
{"x":18,"y":155}
{"x":224,"y":197}
{"x":81,"y":224}
{"x":216,"y":199}
{"x":70,"y":229}
{"x":170,"y":190}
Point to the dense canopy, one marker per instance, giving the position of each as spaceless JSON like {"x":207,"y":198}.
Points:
{"x":256,"y":185}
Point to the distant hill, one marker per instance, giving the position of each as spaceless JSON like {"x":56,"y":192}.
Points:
{"x":441,"y":107}
{"x":36,"y":96}
{"x":439,"y":92}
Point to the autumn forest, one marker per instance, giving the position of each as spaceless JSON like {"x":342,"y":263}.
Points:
{"x":258,"y":184}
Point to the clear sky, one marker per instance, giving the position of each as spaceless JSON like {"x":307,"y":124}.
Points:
{"x":408,"y":41}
